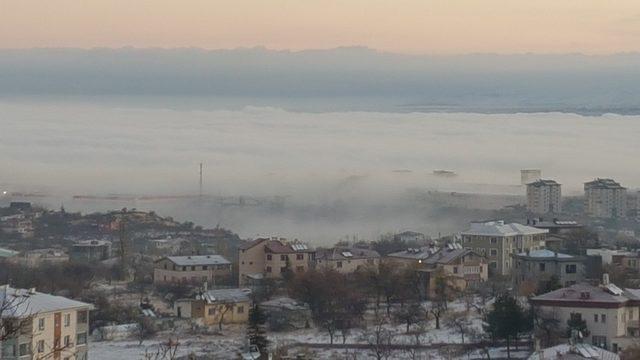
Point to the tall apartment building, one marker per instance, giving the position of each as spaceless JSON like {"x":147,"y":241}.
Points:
{"x":605,"y":198}
{"x":270,"y":258}
{"x":544,"y":196}
{"x":498,"y":241}
{"x":50,"y":327}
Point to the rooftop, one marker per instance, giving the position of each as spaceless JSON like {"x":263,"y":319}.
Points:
{"x":25,"y":302}
{"x":447,"y":255}
{"x":198,"y":260}
{"x":541,"y":182}
{"x":339,"y":253}
{"x":542,"y":254}
{"x":603,"y":184}
{"x":92,"y":243}
{"x":414,"y":253}
{"x":500,"y":228}
{"x":585,"y":295}
{"x":574,"y":352}
{"x":282,"y":247}
{"x":226,"y":295}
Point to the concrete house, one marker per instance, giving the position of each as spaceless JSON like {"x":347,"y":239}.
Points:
{"x":195,"y":269}
{"x":270,"y":258}
{"x":346,"y":260}
{"x":461,"y":268}
{"x":210,"y":307}
{"x":51,"y":326}
{"x":497,"y":241}
{"x":611,"y":313}
{"x":538,"y":266}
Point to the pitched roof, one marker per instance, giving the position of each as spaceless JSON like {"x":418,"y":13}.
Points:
{"x":225,"y":296}
{"x":414,"y":253}
{"x":198,"y":260}
{"x":585,"y":295}
{"x":544,"y":253}
{"x":25,"y":302}
{"x":250,"y":244}
{"x":279,"y":247}
{"x":500,"y":228}
{"x":574,"y":352}
{"x":340,"y":253}
{"x":445,"y":256}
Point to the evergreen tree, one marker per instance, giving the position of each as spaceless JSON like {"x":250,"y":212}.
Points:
{"x":256,"y":329}
{"x":507,"y":320}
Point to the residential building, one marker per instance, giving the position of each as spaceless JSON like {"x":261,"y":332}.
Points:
{"x":461,"y":268}
{"x":90,"y":250}
{"x":18,"y":224}
{"x":50,"y":326}
{"x":544,"y":196}
{"x":271,"y":258}
{"x":346,"y":260}
{"x":605,"y":198}
{"x":195,"y":269}
{"x":535,"y":267}
{"x":412,"y":257}
{"x":37,"y":257}
{"x":497,"y":241}
{"x":410,"y":237}
{"x":212,"y":307}
{"x":578,"y":351}
{"x":610,"y":313}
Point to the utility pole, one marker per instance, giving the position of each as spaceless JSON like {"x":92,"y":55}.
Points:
{"x":200,"y":193}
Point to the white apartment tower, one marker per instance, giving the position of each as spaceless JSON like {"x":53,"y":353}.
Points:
{"x":544,"y":196}
{"x":605,"y":198}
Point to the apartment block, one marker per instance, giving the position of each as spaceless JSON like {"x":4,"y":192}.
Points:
{"x":271,"y":258}
{"x":544,"y":196}
{"x":195,"y":269}
{"x":49,"y":326}
{"x":605,"y":198}
{"x":538,"y":266}
{"x":497,"y":241}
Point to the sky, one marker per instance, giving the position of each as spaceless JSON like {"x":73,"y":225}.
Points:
{"x":403,"y":26}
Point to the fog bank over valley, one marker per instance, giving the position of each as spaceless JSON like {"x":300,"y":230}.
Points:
{"x":318,"y":176}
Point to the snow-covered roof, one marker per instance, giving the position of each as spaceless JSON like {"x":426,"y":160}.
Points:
{"x":198,"y":260}
{"x":7,"y":253}
{"x":226,"y":295}
{"x":500,"y":228}
{"x":23,"y":302}
{"x":574,"y":352}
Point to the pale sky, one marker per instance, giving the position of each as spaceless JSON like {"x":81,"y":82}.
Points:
{"x":405,"y":26}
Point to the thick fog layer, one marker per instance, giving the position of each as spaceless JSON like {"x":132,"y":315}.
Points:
{"x":339,"y":173}
{"x":346,"y":78}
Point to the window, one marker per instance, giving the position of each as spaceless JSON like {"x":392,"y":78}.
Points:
{"x":571,"y":269}
{"x":595,"y":317}
{"x":603,"y":317}
{"x":193,"y":268}
{"x":9,"y":350}
{"x":165,"y":266}
{"x":211,"y":311}
{"x":455,"y":269}
{"x":40,"y":346}
{"x":67,"y":341}
{"x":339,"y":264}
{"x":494,"y":240}
{"x":299,"y":256}
{"x":184,"y":268}
{"x":24,"y":349}
{"x":283,"y":257}
{"x":81,"y":338}
{"x":41,"y":324}
{"x":269,"y":257}
{"x":268,"y":269}
{"x":283,"y":269}
{"x":493,"y":265}
{"x":542,"y":266}
{"x":599,"y":341}
{"x":205,"y":267}
{"x":494,"y":252}
{"x":67,"y":320}
{"x":240,"y":310}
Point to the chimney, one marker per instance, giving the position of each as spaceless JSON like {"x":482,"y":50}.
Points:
{"x":605,"y":279}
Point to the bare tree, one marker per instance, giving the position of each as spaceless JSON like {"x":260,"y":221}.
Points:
{"x":437,"y":309}
{"x":380,"y":338}
{"x":164,"y":351}
{"x":146,"y":329}
{"x":460,"y":322}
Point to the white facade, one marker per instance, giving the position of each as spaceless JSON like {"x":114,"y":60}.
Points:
{"x":605,"y":198}
{"x":544,"y":196}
